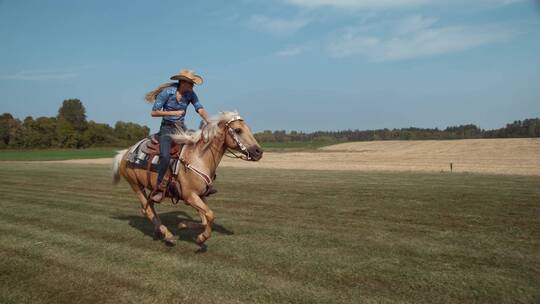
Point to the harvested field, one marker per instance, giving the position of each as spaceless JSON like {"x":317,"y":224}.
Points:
{"x":498,"y":156}
{"x":493,"y":156}
{"x":490,"y":156}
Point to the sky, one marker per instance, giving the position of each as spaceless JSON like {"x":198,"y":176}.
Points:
{"x":283,"y":64}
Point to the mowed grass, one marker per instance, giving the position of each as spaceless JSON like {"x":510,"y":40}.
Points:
{"x":68,"y":236}
{"x":64,"y":154}
{"x":56,"y":154}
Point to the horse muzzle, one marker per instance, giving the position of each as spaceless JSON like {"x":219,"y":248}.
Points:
{"x":255,"y":153}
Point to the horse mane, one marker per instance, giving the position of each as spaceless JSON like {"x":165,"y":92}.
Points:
{"x":208,"y":133}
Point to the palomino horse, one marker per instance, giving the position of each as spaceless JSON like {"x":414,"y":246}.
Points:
{"x":201,"y":155}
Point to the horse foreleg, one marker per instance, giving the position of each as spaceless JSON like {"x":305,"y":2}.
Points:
{"x":207,"y":218}
{"x":192,"y":225}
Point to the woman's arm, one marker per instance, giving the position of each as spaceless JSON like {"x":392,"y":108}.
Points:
{"x":166,"y":113}
{"x":157,"y":108}
{"x":204,"y":115}
{"x":199,"y":107}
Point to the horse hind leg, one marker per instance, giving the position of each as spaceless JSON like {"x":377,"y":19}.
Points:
{"x":147,"y":209}
{"x":141,"y":196}
{"x":160,"y":230}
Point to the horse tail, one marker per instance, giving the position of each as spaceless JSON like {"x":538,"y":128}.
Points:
{"x":116,"y":166}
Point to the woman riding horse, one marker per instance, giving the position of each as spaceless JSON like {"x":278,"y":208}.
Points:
{"x":170,"y":102}
{"x":199,"y":159}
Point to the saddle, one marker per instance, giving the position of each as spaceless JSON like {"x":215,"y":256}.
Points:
{"x":151,"y":147}
{"x":145,"y":155}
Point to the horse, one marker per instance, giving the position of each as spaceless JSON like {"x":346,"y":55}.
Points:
{"x":200,"y":156}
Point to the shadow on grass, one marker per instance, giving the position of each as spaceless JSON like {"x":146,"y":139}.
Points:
{"x":171,"y":220}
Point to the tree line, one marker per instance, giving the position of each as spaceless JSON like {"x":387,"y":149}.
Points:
{"x":69,"y":129}
{"x":519,"y":128}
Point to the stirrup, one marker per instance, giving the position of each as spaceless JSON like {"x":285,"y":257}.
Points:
{"x":158,"y":194}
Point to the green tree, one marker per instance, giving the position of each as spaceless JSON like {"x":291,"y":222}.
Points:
{"x":29,"y":137}
{"x":74,"y":113}
{"x":129,"y":131}
{"x":67,"y":136}
{"x":98,"y":134}
{"x":46,"y":127}
{"x":9,"y":126}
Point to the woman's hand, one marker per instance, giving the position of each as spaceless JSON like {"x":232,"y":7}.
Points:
{"x":176,"y":113}
{"x":204,"y":115}
{"x":167,"y":113}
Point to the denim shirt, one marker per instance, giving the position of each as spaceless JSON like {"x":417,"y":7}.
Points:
{"x":166,"y":101}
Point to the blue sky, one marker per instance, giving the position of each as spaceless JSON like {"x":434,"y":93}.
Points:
{"x":284,"y":64}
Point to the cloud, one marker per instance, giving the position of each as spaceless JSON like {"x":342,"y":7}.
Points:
{"x":414,"y":37}
{"x":357,"y":4}
{"x":387,"y":4}
{"x":290,"y":51}
{"x":414,"y":24}
{"x":44,"y":74}
{"x":277,"y":26}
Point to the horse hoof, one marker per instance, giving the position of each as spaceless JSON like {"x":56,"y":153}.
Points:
{"x":201,"y":239}
{"x":182,"y":226}
{"x":158,"y":235}
{"x":170,"y":241}
{"x":202,"y":248}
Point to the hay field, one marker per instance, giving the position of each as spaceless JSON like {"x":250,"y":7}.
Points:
{"x":488,"y":156}
{"x":491,"y":156}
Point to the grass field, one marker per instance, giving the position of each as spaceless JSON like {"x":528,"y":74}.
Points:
{"x":56,"y":154}
{"x":90,"y":153}
{"x":281,"y":236}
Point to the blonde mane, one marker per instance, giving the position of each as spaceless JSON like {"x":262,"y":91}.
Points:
{"x":208,"y":133}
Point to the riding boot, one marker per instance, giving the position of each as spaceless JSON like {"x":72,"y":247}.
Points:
{"x":159,"y":193}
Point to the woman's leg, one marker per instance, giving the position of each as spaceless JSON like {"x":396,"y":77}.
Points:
{"x":164,"y":155}
{"x":164,"y":158}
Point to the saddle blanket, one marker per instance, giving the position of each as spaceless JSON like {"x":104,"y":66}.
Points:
{"x":137,"y":158}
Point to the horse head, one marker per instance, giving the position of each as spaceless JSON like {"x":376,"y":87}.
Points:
{"x":238,"y":137}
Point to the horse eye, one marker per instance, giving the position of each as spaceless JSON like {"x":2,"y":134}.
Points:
{"x":238,"y":131}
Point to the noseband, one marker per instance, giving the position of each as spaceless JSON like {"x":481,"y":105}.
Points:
{"x":240,"y":145}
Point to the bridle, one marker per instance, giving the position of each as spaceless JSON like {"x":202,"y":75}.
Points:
{"x":246,"y":156}
{"x":241,"y":146}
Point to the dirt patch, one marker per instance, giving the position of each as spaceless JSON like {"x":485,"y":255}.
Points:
{"x":492,"y":156}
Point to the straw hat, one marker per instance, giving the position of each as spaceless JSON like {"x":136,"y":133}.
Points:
{"x":188,"y":75}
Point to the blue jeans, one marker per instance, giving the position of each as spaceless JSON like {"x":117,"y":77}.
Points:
{"x":165,"y":132}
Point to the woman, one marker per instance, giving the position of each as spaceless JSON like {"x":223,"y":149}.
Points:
{"x":170,"y":102}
